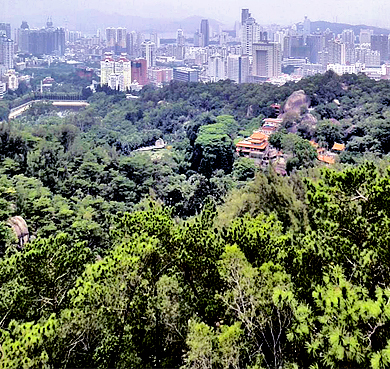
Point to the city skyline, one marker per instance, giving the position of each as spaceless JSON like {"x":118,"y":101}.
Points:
{"x":280,"y":12}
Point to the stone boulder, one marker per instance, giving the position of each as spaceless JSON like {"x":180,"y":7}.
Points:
{"x":20,"y":229}
{"x":296,"y":101}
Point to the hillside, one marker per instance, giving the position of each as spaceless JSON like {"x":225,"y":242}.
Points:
{"x":339,"y":27}
{"x":190,"y":256}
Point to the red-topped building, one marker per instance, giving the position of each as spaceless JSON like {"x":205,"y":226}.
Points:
{"x":139,"y":71}
{"x":253,"y":146}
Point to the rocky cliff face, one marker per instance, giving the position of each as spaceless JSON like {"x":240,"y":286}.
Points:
{"x":296,"y":115}
{"x":296,"y":102}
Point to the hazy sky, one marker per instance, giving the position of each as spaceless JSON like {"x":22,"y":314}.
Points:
{"x":374,"y":12}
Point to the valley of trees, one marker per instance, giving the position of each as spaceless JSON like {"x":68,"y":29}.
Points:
{"x":192,"y":257}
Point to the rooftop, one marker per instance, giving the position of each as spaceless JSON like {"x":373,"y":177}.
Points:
{"x":326,"y":159}
{"x":338,"y":147}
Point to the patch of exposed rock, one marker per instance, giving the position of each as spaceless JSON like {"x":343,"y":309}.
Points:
{"x":296,"y":101}
{"x":20,"y":229}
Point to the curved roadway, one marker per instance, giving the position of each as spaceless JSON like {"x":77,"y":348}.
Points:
{"x":15,"y":112}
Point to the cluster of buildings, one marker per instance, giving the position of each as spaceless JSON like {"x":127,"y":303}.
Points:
{"x":310,"y":51}
{"x":35,"y":42}
{"x":328,"y":156}
{"x":253,"y":53}
{"x":8,"y":78}
{"x":246,"y":53}
{"x":258,"y":148}
{"x":40,"y":41}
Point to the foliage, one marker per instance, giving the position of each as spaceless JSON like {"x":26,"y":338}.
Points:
{"x":189,"y":256}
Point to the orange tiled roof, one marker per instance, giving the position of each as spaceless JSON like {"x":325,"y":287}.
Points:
{"x":326,"y":159}
{"x":259,"y":136}
{"x":338,"y":147}
{"x":315,"y":144}
{"x":249,"y":145}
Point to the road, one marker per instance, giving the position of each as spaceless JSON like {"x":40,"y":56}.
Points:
{"x":15,"y":112}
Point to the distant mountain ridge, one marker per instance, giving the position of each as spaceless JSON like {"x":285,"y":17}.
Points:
{"x":339,"y":27}
{"x":89,"y":21}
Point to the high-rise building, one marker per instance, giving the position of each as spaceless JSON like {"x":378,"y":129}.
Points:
{"x":131,"y":39}
{"x":336,"y":52}
{"x":365,"y":36}
{"x":155,"y":39}
{"x":110,"y":37}
{"x":6,"y":52}
{"x":216,"y":68}
{"x":115,"y":73}
{"x":197,"y":39}
{"x":139,"y":71}
{"x":5,"y":28}
{"x":250,"y":33}
{"x":365,"y":55}
{"x":148,"y":50}
{"x":315,"y":43}
{"x":180,"y":44}
{"x":121,"y":39}
{"x":138,"y":42}
{"x":23,"y":35}
{"x":123,"y":71}
{"x":238,"y":68}
{"x":244,"y":15}
{"x":381,"y":43}
{"x":306,"y":26}
{"x":180,"y":37}
{"x":107,"y":67}
{"x":348,"y":37}
{"x":46,"y":41}
{"x":205,"y":32}
{"x":267,"y":60}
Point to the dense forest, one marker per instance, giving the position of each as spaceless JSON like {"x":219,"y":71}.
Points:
{"x":189,"y":256}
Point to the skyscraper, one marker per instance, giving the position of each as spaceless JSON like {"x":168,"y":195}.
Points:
{"x":180,"y":37}
{"x":348,"y":36}
{"x":250,"y":33}
{"x":111,"y":37}
{"x":197,"y":39}
{"x":139,"y":71}
{"x":6,"y":52}
{"x":266,"y":59}
{"x":148,"y":49}
{"x":5,"y":28}
{"x":107,"y":67}
{"x":123,"y":72}
{"x":381,"y":43}
{"x":23,"y":34}
{"x":180,"y":44}
{"x":238,"y":68}
{"x":365,"y":36}
{"x":115,"y":73}
{"x":155,"y":39}
{"x":204,"y":30}
{"x":131,"y":39}
{"x":244,"y":15}
{"x":306,"y":26}
{"x":216,"y":68}
{"x":121,"y":38}
{"x":49,"y":40}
